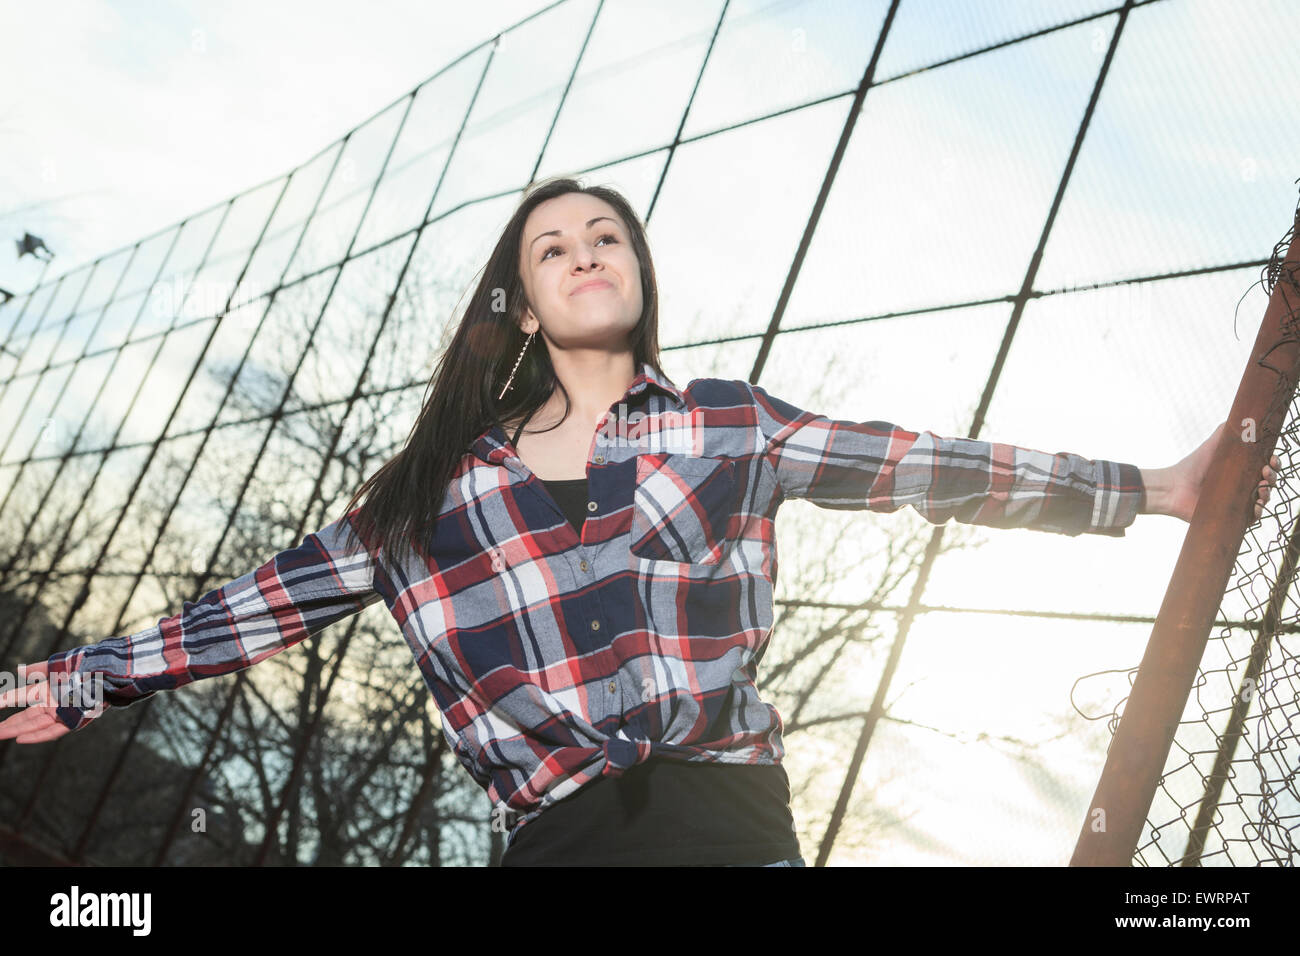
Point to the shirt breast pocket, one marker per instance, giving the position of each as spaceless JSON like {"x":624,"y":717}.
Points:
{"x":682,"y":508}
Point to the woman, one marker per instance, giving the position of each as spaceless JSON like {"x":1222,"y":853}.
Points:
{"x":588,"y":609}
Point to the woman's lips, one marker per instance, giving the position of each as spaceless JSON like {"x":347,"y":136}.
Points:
{"x":589,"y":286}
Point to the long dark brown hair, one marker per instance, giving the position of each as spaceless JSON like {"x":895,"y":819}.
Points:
{"x":403,"y":498}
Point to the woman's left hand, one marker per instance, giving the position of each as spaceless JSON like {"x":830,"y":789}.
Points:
{"x":1175,"y":490}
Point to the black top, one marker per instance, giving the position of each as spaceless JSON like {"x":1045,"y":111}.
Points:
{"x":660,"y":812}
{"x":571,"y":495}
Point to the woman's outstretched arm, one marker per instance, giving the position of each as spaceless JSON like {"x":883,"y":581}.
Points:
{"x":295,"y":594}
{"x":879,"y":466}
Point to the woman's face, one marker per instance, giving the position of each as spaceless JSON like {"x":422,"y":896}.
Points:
{"x":580,"y":274}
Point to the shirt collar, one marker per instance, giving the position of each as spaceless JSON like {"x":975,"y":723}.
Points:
{"x":490,"y":446}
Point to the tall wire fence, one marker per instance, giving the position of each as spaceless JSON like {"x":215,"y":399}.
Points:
{"x":177,"y":409}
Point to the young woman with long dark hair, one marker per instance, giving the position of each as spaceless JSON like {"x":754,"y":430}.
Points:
{"x":580,"y":555}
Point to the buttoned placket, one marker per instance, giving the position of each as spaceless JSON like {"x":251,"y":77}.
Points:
{"x":507,"y":456}
{"x":584,"y":559}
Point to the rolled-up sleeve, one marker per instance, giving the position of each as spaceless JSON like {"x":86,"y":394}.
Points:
{"x":295,"y":594}
{"x":879,"y":466}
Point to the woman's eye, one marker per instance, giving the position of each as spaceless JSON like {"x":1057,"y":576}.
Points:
{"x":547,"y":254}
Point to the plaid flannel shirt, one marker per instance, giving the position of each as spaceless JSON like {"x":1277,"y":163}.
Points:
{"x":556,"y":658}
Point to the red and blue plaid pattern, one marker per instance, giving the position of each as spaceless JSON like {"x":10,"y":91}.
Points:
{"x":556,"y":657}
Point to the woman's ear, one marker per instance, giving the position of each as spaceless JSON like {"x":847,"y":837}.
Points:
{"x":528,"y":322}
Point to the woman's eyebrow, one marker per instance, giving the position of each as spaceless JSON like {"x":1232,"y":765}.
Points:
{"x":556,"y":232}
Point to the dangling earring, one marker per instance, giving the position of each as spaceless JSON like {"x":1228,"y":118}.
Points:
{"x":516,"y":368}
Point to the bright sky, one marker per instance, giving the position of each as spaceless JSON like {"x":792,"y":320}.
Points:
{"x":118,"y":119}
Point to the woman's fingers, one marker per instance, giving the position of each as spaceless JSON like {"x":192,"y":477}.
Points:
{"x":32,"y":732}
{"x":54,"y":731}
{"x":33,"y":720}
{"x":1266,"y":486}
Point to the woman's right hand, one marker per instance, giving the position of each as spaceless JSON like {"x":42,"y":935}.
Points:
{"x":37,"y":723}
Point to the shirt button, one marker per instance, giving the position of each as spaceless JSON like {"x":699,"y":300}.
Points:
{"x":591,"y":506}
{"x":595,"y":625}
{"x":611,"y":687}
{"x":600,"y":459}
{"x":583,"y":564}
